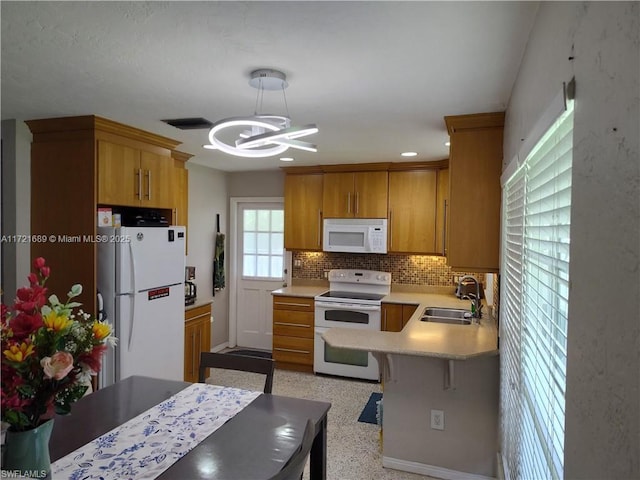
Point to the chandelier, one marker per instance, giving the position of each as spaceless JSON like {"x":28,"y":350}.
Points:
{"x":262,"y":135}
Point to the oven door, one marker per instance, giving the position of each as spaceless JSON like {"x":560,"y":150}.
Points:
{"x":341,"y":361}
{"x":349,"y":315}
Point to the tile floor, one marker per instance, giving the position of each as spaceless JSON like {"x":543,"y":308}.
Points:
{"x":353,"y":448}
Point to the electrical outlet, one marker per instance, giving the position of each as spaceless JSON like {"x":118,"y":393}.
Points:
{"x":326,"y":274}
{"x":297,"y":263}
{"x":437,"y":419}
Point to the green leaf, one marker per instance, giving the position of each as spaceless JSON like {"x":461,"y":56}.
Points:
{"x":46,"y":310}
{"x":53,"y":300}
{"x":72,"y":305}
{"x":75,"y":290}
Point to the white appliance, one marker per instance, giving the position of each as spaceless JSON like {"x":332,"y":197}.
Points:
{"x":354,"y":300}
{"x":355,"y":235}
{"x":141,"y":281}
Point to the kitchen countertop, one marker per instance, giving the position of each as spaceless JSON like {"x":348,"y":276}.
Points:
{"x":428,"y":339}
{"x":199,"y":303}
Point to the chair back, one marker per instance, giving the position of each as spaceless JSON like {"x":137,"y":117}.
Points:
{"x":237,"y":362}
{"x":294,"y":468}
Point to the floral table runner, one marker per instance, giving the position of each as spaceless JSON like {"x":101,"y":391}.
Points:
{"x":150,"y":443}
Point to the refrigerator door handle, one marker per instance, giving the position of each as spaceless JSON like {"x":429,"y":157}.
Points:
{"x":133,"y":293}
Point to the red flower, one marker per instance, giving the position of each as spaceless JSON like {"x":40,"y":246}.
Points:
{"x":33,"y":279}
{"x":30,"y":298}
{"x":93,"y":358}
{"x":24,"y":324}
{"x":45,"y":271}
{"x":39,"y":262}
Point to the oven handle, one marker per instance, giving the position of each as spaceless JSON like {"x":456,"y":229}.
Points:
{"x":348,"y":306}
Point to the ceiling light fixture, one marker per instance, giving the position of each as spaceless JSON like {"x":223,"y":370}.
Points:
{"x":267,"y":135}
{"x":409,"y":154}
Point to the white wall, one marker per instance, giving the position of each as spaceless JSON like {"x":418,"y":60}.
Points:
{"x":208,"y":197}
{"x":16,"y":205}
{"x":602,"y":438}
{"x":256,"y":184}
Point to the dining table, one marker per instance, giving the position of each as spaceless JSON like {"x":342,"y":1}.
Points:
{"x":256,"y":443}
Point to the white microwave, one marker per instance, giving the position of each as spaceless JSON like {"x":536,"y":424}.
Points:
{"x":355,"y":235}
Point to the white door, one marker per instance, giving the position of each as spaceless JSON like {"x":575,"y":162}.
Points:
{"x":260,"y":271}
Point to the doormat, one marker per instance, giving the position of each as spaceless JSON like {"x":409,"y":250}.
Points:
{"x":370,"y":410}
{"x":250,"y":353}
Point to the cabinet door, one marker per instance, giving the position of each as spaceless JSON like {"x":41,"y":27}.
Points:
{"x":474,"y":213}
{"x":412,"y":211}
{"x":119,"y":175}
{"x":391,"y":317}
{"x":370,"y":194}
{"x":157,"y":171}
{"x":190,"y":348}
{"x":442,"y":211}
{"x":407,"y":312}
{"x":181,"y":196}
{"x":338,"y":195}
{"x":303,"y":212}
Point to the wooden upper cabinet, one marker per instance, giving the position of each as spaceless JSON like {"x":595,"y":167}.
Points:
{"x":303,"y":212}
{"x":129,"y":176}
{"x":119,"y":181}
{"x":157,"y":183}
{"x":473,"y":216}
{"x":412,"y":211}
{"x":180,"y":188}
{"x":442,"y":211}
{"x":355,"y":194}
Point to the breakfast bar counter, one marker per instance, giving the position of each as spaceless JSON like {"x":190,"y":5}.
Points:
{"x":440,"y":386}
{"x":429,"y":339}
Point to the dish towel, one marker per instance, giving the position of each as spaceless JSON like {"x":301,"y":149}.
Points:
{"x":218,"y":264}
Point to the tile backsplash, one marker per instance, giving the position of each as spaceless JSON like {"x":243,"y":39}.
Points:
{"x":404,"y":269}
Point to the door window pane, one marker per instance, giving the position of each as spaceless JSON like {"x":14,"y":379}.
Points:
{"x":263,"y":243}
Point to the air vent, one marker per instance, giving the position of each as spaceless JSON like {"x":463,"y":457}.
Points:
{"x":189,"y":123}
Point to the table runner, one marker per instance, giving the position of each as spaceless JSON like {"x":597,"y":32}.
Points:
{"x":150,"y":443}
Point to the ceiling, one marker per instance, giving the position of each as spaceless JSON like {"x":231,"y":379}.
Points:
{"x":377,"y":78}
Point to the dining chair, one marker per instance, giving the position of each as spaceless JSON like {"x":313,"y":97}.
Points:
{"x":237,"y":362}
{"x":295,"y":467}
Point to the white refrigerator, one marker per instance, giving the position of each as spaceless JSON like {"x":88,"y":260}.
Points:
{"x":141,"y":282}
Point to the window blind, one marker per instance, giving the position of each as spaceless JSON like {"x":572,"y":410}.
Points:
{"x":534,"y":306}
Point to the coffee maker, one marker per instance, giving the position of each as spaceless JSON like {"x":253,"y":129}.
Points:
{"x":190,"y":286}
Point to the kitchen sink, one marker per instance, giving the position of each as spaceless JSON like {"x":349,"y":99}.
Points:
{"x":453,"y":321}
{"x":446,"y":312}
{"x":456,"y":316}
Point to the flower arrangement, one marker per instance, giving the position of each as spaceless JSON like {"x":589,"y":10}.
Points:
{"x":49,"y":353}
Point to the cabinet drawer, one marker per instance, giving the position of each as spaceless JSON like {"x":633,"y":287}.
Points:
{"x":293,"y":350}
{"x":197,"y":312}
{"x":293,"y":303}
{"x":293,"y":317}
{"x":292,"y":330}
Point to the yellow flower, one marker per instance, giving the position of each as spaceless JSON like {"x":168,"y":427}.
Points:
{"x":18,"y":352}
{"x":56,"y":322}
{"x":101,"y":330}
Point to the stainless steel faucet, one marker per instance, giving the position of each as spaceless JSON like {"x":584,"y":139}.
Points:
{"x":477,"y":301}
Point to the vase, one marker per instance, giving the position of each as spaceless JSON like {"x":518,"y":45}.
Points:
{"x":28,"y":451}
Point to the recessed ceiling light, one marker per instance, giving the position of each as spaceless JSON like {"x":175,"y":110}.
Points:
{"x":409,"y":154}
{"x":447,"y":144}
{"x":286,"y":159}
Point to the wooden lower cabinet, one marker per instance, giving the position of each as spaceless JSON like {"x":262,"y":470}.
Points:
{"x":197,"y":339}
{"x":395,"y":316}
{"x":293,"y":332}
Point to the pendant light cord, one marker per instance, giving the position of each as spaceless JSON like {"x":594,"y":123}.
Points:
{"x":286,"y":106}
